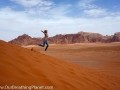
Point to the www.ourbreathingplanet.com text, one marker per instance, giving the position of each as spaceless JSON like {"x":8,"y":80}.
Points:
{"x":25,"y":87}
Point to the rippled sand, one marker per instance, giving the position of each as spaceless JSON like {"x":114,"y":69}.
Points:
{"x":65,"y":67}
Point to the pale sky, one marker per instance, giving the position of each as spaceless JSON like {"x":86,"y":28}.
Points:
{"x":58,"y":17}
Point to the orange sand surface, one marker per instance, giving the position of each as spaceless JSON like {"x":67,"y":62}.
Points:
{"x":104,"y":57}
{"x":21,"y":66}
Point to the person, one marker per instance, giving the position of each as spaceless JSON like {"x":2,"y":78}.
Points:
{"x":45,"y":40}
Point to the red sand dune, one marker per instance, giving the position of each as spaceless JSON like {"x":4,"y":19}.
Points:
{"x":20,"y":66}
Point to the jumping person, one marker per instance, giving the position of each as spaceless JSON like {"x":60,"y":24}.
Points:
{"x":45,"y":40}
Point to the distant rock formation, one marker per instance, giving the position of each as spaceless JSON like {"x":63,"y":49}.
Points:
{"x":80,"y":37}
{"x":116,"y":37}
{"x":25,"y":40}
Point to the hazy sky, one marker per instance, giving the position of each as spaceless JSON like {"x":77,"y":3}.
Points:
{"x":58,"y":16}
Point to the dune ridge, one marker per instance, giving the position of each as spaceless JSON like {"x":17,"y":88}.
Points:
{"x":20,"y":66}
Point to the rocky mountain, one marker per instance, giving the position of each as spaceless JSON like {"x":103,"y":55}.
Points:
{"x":116,"y":37}
{"x":80,"y":37}
{"x":25,"y":40}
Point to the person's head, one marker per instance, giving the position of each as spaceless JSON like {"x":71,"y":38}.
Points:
{"x":45,"y":31}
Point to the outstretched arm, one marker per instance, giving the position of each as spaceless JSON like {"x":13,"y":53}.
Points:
{"x":42,"y":31}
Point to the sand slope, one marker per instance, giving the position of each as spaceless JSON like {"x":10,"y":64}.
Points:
{"x":20,"y":66}
{"x":104,"y":57}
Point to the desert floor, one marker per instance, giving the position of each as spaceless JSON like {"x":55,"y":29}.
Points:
{"x":85,"y":66}
{"x":100,"y":56}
